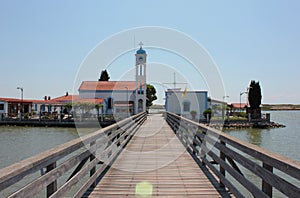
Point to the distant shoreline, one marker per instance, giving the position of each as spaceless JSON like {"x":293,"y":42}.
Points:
{"x":280,"y":107}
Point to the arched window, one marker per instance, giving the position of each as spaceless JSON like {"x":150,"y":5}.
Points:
{"x":141,"y":70}
{"x":140,"y":105}
{"x":186,"y":106}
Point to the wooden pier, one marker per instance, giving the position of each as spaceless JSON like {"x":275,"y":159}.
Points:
{"x":156,"y":158}
{"x":153,"y":156}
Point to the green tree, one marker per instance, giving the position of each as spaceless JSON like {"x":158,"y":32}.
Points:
{"x":97,"y":107}
{"x":84,"y":106}
{"x":254,"y":95}
{"x":69,"y":105}
{"x":150,"y":95}
{"x":207,"y":113}
{"x":193,"y":114}
{"x":104,"y":76}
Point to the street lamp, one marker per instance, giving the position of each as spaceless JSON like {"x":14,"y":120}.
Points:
{"x":241,"y":93}
{"x":21,"y":110}
{"x":21,"y":88}
{"x":223,"y":106}
{"x":127,"y":99}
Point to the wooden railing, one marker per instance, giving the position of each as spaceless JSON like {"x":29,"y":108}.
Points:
{"x":226,"y":155}
{"x":89,"y":156}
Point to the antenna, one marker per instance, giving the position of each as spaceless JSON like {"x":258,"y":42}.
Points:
{"x":134,"y":61}
{"x":174,"y":82}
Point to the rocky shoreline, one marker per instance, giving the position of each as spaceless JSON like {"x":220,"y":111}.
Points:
{"x":241,"y":125}
{"x":280,"y":107}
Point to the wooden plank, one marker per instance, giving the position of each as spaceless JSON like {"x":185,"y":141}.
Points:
{"x":52,"y":187}
{"x":287,"y":165}
{"x":33,"y":188}
{"x":272,"y":179}
{"x":155,"y":155}
{"x":48,"y":159}
{"x":107,"y":163}
{"x":269,"y":160}
{"x":17,"y":171}
{"x":241,"y":179}
{"x":267,"y":188}
{"x":222,"y":169}
{"x":223,"y":179}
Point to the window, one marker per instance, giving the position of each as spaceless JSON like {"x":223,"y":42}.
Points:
{"x":1,"y":107}
{"x":140,"y":105}
{"x":141,"y":70}
{"x":186,"y":106}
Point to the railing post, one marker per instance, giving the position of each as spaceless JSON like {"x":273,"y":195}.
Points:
{"x":267,"y":188}
{"x":203,"y":148}
{"x":223,"y":157}
{"x":194,"y":144}
{"x":51,"y":188}
{"x":92,"y":157}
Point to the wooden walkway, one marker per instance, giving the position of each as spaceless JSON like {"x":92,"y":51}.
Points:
{"x":155,"y":163}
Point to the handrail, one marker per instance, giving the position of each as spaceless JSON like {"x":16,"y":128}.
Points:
{"x":223,"y":153}
{"x":101,"y":147}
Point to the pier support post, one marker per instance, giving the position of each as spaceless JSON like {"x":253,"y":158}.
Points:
{"x":92,"y":157}
{"x":267,"y":188}
{"x":51,"y":188}
{"x":222,"y":170}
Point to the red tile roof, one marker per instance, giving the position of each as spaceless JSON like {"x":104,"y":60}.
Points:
{"x":10,"y":99}
{"x":238,"y":105}
{"x":56,"y":101}
{"x":43,"y":102}
{"x":18,"y":100}
{"x":68,"y":98}
{"x":107,"y":85}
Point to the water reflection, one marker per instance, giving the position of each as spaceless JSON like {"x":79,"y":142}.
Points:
{"x":254,"y":136}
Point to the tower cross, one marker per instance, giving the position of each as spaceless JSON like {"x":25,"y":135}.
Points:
{"x":141,"y":44}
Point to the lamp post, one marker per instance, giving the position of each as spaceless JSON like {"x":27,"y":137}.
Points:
{"x":127,"y":99}
{"x":241,"y":93}
{"x":21,"y":111}
{"x":223,"y":106}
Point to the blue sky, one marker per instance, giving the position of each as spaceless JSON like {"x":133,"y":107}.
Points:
{"x":43,"y":43}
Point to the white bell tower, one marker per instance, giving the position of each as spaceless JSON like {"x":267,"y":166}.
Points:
{"x":140,"y":76}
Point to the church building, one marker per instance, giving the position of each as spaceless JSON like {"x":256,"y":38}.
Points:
{"x":120,"y":96}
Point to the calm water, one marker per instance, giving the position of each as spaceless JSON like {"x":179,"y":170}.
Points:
{"x":284,"y":141}
{"x":18,"y":143}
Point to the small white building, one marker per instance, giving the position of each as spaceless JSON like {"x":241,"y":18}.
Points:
{"x":184,"y":102}
{"x":218,"y":107}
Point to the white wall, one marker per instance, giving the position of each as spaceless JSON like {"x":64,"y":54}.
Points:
{"x":117,"y":96}
{"x":197,"y":99}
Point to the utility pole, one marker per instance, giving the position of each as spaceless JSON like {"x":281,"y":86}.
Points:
{"x":174,"y":82}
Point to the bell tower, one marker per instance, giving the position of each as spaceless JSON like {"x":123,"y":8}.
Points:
{"x":140,"y":76}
